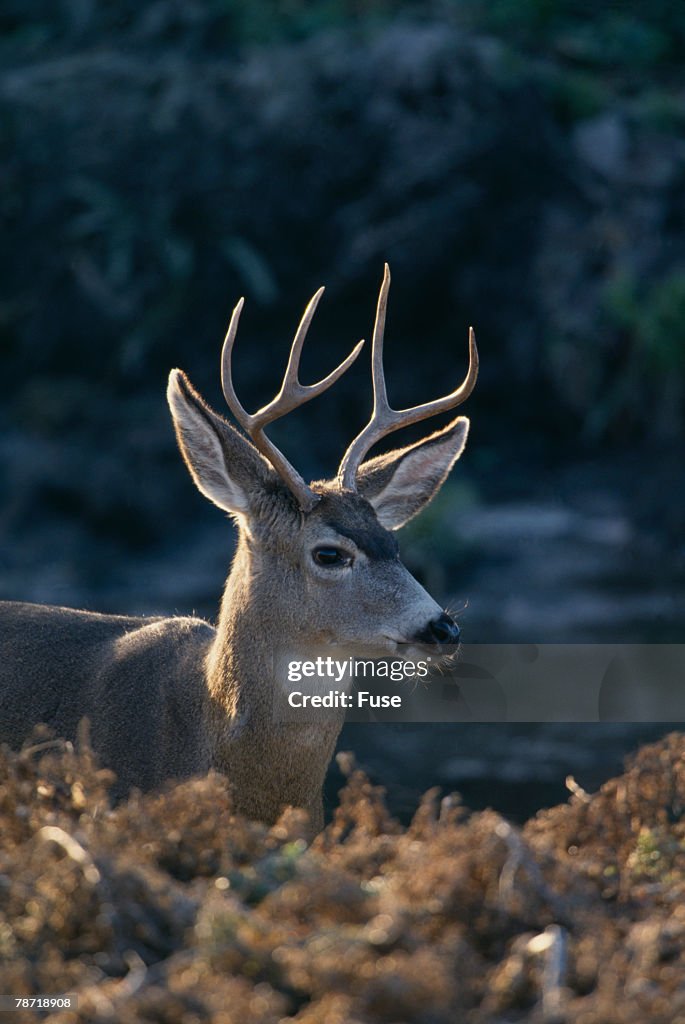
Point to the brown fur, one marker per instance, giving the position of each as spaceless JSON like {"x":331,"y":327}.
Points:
{"x":171,"y":698}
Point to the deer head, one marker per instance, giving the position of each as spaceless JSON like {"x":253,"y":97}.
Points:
{"x":320,"y":561}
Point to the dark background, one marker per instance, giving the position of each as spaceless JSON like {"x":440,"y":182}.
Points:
{"x":520,"y":165}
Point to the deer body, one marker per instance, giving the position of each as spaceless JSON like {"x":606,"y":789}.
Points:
{"x":115,"y":671}
{"x":168,"y":698}
{"x":150,"y":723}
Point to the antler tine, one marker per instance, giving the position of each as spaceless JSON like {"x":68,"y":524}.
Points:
{"x":292,"y":392}
{"x":291,"y":379}
{"x":384,"y":420}
{"x":291,"y":395}
{"x":232,"y":400}
{"x":380,"y":394}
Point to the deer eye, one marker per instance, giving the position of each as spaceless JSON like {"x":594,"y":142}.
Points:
{"x":331,"y":558}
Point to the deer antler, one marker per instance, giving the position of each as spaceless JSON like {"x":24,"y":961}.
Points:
{"x":291,"y":395}
{"x":385,"y":420}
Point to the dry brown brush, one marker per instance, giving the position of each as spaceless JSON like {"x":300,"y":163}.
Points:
{"x":169,"y":908}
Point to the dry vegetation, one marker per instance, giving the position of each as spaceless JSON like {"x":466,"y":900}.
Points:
{"x":168,"y":909}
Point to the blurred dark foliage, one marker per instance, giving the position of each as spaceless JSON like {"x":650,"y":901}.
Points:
{"x":158,"y":161}
{"x":169,"y":907}
{"x":521,"y":165}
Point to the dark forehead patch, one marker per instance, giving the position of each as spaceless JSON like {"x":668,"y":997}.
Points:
{"x":351,"y":516}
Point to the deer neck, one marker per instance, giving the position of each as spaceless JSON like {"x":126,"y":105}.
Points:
{"x":272,"y":760}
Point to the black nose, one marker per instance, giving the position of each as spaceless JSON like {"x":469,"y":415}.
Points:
{"x":444,"y":630}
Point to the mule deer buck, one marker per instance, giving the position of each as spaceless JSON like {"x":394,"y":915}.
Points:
{"x":168,"y":698}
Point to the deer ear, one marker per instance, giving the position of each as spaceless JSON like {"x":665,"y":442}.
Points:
{"x":401,"y":482}
{"x":224,"y":465}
